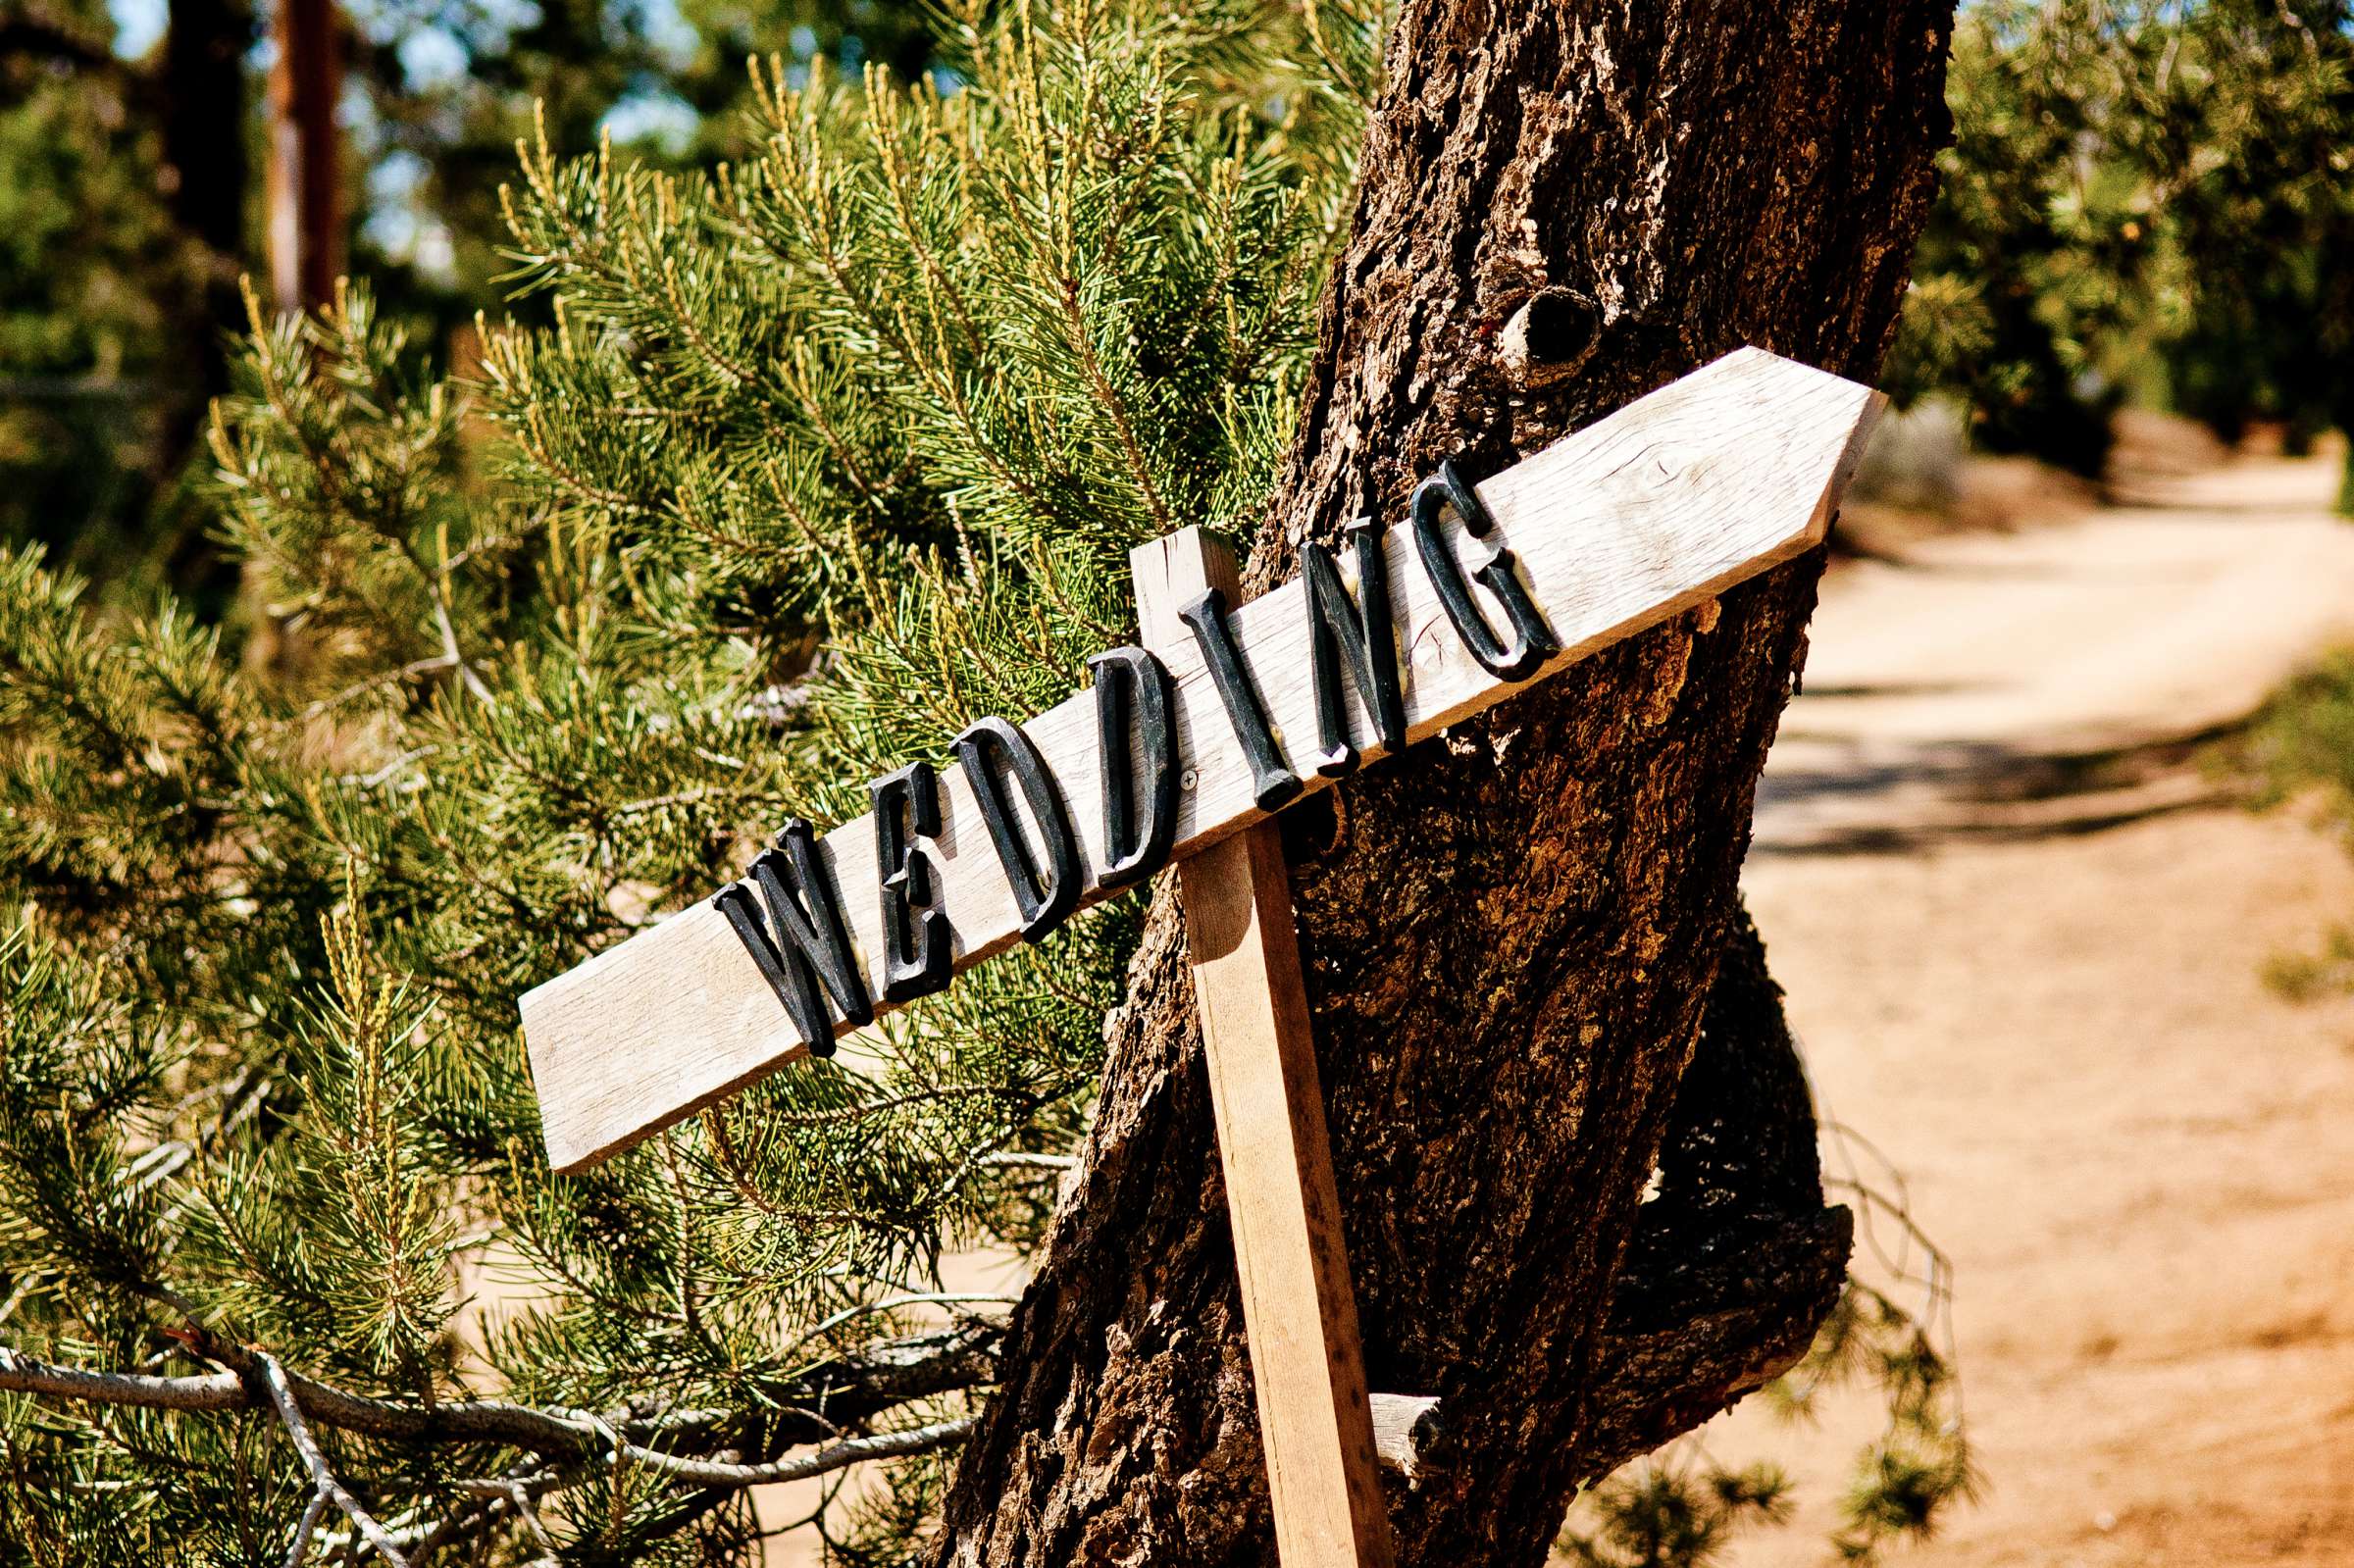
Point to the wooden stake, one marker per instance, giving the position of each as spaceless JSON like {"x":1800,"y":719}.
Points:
{"x":1305,"y":1362}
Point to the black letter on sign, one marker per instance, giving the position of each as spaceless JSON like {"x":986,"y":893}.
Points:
{"x":1043,"y":907}
{"x":915,"y":954}
{"x":1364,"y":631}
{"x":1533,"y":642}
{"x":810,"y":939}
{"x":1273,"y":786}
{"x":1131,"y":682}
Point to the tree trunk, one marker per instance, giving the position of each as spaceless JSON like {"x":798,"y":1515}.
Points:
{"x":306,"y":174}
{"x":204,"y":142}
{"x":1521,"y":935}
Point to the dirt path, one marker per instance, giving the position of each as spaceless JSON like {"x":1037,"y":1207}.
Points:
{"x":2024,"y":950}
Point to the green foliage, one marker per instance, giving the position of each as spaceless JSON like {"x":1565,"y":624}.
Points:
{"x":1675,"y":1512}
{"x":351,"y":1249}
{"x":824,"y":454}
{"x":2300,"y":746}
{"x":1919,"y":1466}
{"x":2141,"y":200}
{"x":2303,"y":739}
{"x":98,"y":282}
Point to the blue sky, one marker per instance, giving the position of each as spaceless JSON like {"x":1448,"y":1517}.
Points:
{"x":137,"y":25}
{"x":432,"y":55}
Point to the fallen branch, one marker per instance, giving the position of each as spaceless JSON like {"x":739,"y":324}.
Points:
{"x":846,"y":1392}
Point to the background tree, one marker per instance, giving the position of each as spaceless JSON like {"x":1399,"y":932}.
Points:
{"x":814,"y":457}
{"x":2267,"y":232}
{"x":133,"y":192}
{"x":122,"y":220}
{"x":2143,"y":202}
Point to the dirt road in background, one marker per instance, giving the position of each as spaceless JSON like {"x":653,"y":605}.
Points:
{"x":2024,"y":943}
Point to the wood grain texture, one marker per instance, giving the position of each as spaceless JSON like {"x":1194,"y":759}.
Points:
{"x":1306,"y":1367}
{"x":1684,"y":493}
{"x":1405,"y":1425}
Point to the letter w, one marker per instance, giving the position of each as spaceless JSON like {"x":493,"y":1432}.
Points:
{"x":810,"y":940}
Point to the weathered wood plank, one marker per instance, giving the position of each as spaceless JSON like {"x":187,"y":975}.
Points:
{"x":1307,"y":1366}
{"x":1405,"y":1425}
{"x":1683,"y":493}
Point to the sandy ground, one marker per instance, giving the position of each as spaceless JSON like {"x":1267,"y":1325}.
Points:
{"x":2022,"y":944}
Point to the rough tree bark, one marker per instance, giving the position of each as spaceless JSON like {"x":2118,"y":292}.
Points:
{"x":1521,"y":937}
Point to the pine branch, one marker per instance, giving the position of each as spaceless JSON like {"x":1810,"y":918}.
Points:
{"x":323,"y":1478}
{"x":215,"y":1391}
{"x":850,"y":1389}
{"x":849,"y":1451}
{"x":514,"y":1493}
{"x":810,"y":466}
{"x":305,"y":1528}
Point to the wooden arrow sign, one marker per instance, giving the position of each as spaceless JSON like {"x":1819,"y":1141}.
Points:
{"x":1672,"y":500}
{"x":1183,"y":748}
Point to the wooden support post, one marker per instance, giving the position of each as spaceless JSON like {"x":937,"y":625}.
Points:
{"x":1305,"y":1362}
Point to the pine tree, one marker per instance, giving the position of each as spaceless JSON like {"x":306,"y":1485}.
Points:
{"x":825,"y":451}
{"x":828,"y":450}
